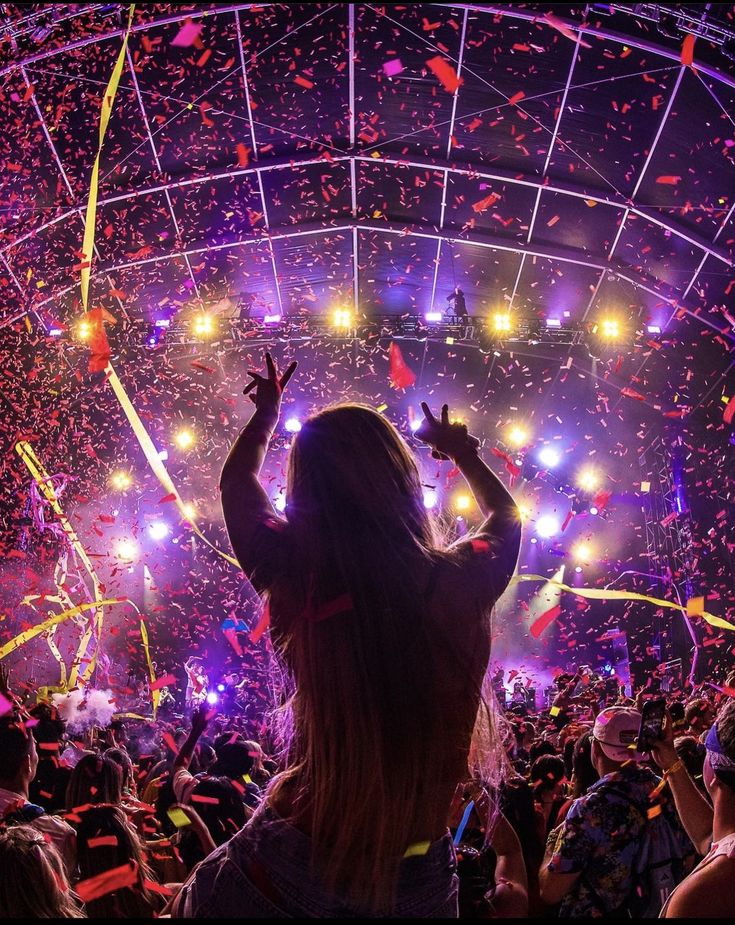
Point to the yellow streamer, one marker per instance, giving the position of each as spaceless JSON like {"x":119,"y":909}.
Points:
{"x":155,"y":695}
{"x":154,"y":460}
{"x":600,"y":594}
{"x":27,"y":635}
{"x":43,"y":480}
{"x":91,"y":216}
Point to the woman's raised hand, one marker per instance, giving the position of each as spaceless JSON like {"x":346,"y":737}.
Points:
{"x":447,"y":440}
{"x":268,"y":389}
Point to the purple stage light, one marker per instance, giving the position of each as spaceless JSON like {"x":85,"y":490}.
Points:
{"x":272,"y":319}
{"x":433,"y":316}
{"x":212,"y":698}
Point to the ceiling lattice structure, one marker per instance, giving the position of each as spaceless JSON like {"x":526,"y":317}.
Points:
{"x":285,"y":158}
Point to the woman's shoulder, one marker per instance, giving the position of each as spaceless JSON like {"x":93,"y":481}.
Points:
{"x":705,"y":892}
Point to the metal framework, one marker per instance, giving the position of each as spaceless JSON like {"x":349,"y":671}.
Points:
{"x":668,"y":527}
{"x":448,"y":167}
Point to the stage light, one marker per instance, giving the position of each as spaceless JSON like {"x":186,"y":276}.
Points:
{"x":212,"y":698}
{"x":204,"y":326}
{"x":126,"y":549}
{"x":415,"y":424}
{"x":221,"y":688}
{"x":654,"y":329}
{"x":583,"y":552}
{"x":547,"y":526}
{"x":163,"y":323}
{"x":578,"y":569}
{"x":501,"y":323}
{"x":342,"y":318}
{"x":588,"y":479}
{"x":517,"y":435}
{"x":158,"y":530}
{"x":553,"y":322}
{"x":610,"y":328}
{"x":83,"y":330}
{"x":524,"y":510}
{"x":430,"y":498}
{"x":272,"y":319}
{"x":462,"y":501}
{"x":280,"y":503}
{"x":549,"y":457}
{"x":190,"y":511}
{"x":121,"y":480}
{"x":55,"y":332}
{"x":184,"y":438}
{"x":292,"y":425}
{"x":593,"y":511}
{"x":433,"y":317}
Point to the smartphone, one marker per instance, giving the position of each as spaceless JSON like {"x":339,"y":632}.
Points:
{"x":651,"y":731}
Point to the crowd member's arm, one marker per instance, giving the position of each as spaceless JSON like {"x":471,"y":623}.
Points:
{"x":180,"y":772}
{"x":245,"y":503}
{"x":694,"y":811}
{"x":199,"y":827}
{"x":510,"y":899}
{"x":501,"y":528}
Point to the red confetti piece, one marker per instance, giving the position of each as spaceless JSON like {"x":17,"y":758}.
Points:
{"x":163,"y":682}
{"x":303,"y":82}
{"x":198,"y":798}
{"x":243,"y":155}
{"x":485,"y":203}
{"x":631,"y":393}
{"x":117,"y":878}
{"x":204,"y":57}
{"x":444,"y":73}
{"x":668,"y":180}
{"x":516,"y":98}
{"x":166,"y":498}
{"x":102,"y":841}
{"x":545,"y":620}
{"x":263,"y":624}
{"x":687,"y":50}
{"x":729,"y":411}
{"x":401,"y":375}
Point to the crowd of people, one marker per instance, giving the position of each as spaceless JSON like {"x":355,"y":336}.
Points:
{"x":578,"y":825}
{"x":388,"y":782}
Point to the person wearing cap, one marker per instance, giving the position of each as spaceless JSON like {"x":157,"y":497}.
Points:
{"x":588,"y":866}
{"x":707,"y":891}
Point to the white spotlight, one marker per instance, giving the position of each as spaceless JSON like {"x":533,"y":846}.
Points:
{"x":430,"y":498}
{"x":547,"y":526}
{"x":158,"y":530}
{"x":549,"y":457}
{"x":293,"y":425}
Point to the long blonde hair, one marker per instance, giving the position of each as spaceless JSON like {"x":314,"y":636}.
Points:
{"x":33,"y":882}
{"x":365,"y":703}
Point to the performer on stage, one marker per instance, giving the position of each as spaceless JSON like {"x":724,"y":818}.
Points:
{"x":197,"y":681}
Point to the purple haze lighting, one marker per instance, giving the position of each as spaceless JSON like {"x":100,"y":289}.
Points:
{"x":553,"y":322}
{"x":212,"y":698}
{"x":220,"y":688}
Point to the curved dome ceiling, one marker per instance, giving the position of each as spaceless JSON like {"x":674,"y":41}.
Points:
{"x":303,"y":155}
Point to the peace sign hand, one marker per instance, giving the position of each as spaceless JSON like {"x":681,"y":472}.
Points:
{"x":447,"y":440}
{"x":268,"y":389}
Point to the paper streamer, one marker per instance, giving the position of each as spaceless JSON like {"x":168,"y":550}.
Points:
{"x":155,"y":693}
{"x":154,"y":461}
{"x":47,"y":488}
{"x":90,"y":224}
{"x":600,"y":594}
{"x":90,"y":219}
{"x":34,"y":631}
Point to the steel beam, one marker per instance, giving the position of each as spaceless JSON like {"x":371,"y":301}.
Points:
{"x":649,"y":157}
{"x":286,"y":163}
